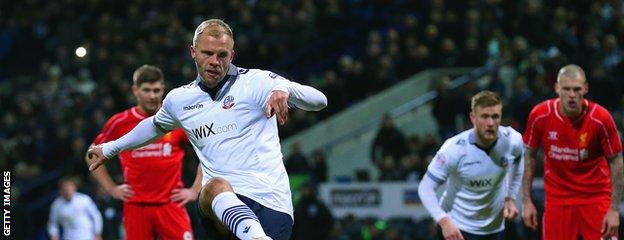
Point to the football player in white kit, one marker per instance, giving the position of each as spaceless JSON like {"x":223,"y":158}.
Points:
{"x":230,"y":115}
{"x":75,"y":212}
{"x":482,"y":168}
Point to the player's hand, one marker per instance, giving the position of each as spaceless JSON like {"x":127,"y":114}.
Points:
{"x":98,"y":237}
{"x":277,"y":105}
{"x":96,"y":157}
{"x":182,"y":196}
{"x":449,"y":231}
{"x":529,"y":215}
{"x":509,"y":210}
{"x":610,"y":224}
{"x":122,"y":192}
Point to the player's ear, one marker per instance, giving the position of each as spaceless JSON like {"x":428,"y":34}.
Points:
{"x":472,"y":117}
{"x":232,"y":54}
{"x":193,"y":53}
{"x":135,"y":90}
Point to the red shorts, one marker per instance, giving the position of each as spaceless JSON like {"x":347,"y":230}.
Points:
{"x":147,"y":221}
{"x":571,"y":222}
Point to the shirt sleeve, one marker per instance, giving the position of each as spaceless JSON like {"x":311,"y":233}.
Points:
{"x":107,"y":133}
{"x":427,"y":193}
{"x":95,"y":215}
{"x":611,"y":143}
{"x":164,"y":119}
{"x":53,"y":228}
{"x":439,"y":168}
{"x":533,"y":130}
{"x":299,"y":96}
{"x":143,"y":133}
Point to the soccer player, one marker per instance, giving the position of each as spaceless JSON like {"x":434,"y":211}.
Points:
{"x":482,"y":168}
{"x":583,"y":174}
{"x":153,"y":194}
{"x":75,"y":212}
{"x":230,"y":115}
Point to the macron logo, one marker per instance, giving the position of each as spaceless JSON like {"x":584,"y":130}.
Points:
{"x":246,"y":229}
{"x":192,"y":107}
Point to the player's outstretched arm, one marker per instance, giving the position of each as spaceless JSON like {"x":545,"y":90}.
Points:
{"x":529,"y":212}
{"x":611,"y":221}
{"x":306,"y":97}
{"x":143,"y":133}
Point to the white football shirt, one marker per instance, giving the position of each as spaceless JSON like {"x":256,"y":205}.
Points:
{"x":79,"y":218}
{"x":478,"y":180}
{"x":231,"y":135}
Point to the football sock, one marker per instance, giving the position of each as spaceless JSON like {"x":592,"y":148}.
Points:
{"x":237,"y":216}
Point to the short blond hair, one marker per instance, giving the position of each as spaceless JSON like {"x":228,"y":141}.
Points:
{"x":213,"y":27}
{"x":571,"y":71}
{"x":485,"y":99}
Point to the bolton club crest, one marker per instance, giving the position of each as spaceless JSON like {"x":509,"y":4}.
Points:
{"x":228,"y":102}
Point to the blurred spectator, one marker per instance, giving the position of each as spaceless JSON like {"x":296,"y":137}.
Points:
{"x":319,"y":167}
{"x":444,"y":108}
{"x":520,"y":103}
{"x":389,"y":141}
{"x":390,"y":170}
{"x":297,"y":162}
{"x":314,"y":220}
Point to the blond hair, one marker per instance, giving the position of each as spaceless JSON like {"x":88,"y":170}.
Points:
{"x":571,"y":71}
{"x":212,"y":27}
{"x":485,"y":99}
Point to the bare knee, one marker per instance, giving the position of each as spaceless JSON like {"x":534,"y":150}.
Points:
{"x":210,"y":190}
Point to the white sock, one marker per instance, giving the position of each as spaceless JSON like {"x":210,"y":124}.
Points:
{"x":237,"y":216}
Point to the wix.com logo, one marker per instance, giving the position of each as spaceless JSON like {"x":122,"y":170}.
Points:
{"x":481,"y":182}
{"x":207,"y":130}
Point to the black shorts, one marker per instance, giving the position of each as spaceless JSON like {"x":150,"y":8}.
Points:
{"x":276,"y":224}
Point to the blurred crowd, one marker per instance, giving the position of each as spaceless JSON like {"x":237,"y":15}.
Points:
{"x":53,"y":102}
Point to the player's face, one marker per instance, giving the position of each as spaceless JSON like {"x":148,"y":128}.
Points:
{"x":213,"y":56}
{"x":571,"y":93}
{"x":67,"y":190}
{"x":149,"y":96}
{"x":486,"y":121}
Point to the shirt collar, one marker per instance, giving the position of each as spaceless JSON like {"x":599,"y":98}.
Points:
{"x":472,"y":139}
{"x":231,"y":74}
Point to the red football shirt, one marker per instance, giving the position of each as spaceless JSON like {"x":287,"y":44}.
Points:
{"x":152,"y":171}
{"x":575,"y":167}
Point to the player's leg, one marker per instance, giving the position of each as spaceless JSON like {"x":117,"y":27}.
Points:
{"x":276,"y":224}
{"x":137,"y":222}
{"x":591,"y":217}
{"x":217,"y":195}
{"x":212,"y":226}
{"x":172,"y":222}
{"x":559,"y":223}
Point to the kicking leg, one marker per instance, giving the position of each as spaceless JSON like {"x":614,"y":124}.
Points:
{"x":217,"y":197}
